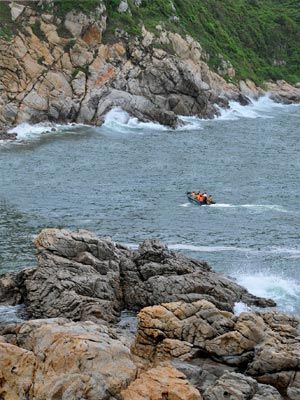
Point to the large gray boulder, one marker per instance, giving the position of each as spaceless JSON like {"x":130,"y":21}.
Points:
{"x":157,"y":275}
{"x":83,"y":277}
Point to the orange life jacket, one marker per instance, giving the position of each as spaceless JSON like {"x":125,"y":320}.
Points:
{"x":200,"y":197}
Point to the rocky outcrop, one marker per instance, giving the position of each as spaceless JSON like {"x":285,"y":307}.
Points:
{"x":240,"y":387}
{"x":161,"y":383}
{"x":188,"y":349}
{"x":57,"y":359}
{"x":60,"y":69}
{"x":265,"y":346}
{"x":82,"y":277}
{"x":156,"y":275}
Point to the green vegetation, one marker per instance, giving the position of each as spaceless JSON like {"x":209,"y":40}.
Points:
{"x":259,"y":37}
{"x":6,"y":24}
{"x":86,"y":6}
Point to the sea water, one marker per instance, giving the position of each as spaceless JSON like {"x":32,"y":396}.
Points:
{"x":128,"y":180}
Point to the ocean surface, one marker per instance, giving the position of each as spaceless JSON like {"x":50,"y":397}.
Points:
{"x":128,"y":180}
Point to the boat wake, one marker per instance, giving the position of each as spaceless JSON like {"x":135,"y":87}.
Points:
{"x":255,"y":207}
{"x":262,"y":207}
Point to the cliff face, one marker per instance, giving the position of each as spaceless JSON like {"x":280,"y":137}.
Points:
{"x":55,"y":65}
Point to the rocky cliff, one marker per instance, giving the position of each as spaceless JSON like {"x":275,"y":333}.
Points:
{"x":63,"y":67}
{"x":188,"y":345}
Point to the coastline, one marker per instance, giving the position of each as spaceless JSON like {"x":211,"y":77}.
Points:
{"x":60,"y":70}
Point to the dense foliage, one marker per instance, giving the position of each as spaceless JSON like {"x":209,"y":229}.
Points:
{"x":259,"y":37}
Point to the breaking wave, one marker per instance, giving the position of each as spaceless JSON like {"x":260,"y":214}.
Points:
{"x":118,"y":120}
{"x":261,"y":108}
{"x":27,"y":131}
{"x":285,"y":291}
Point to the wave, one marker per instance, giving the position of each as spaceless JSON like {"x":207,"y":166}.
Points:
{"x":292,"y":252}
{"x":120,"y":120}
{"x":261,"y":108}
{"x":240,"y":307}
{"x":205,"y":249}
{"x":285,"y":291}
{"x":26,"y":131}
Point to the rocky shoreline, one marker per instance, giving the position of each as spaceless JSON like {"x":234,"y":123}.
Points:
{"x":188,"y":344}
{"x":61,"y":69}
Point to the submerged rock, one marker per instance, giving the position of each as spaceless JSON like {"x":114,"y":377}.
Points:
{"x":8,"y":136}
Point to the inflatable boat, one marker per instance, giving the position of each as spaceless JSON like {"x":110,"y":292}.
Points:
{"x":194,"y":200}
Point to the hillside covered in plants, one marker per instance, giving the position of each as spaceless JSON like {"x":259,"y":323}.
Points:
{"x":259,"y":37}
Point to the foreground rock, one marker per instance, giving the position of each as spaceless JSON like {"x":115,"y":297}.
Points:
{"x":189,"y":347}
{"x":265,"y":346}
{"x":240,"y":387}
{"x":57,"y":359}
{"x":161,"y":383}
{"x":82,"y":277}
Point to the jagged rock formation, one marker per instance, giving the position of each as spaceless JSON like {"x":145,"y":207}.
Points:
{"x":82,"y":277}
{"x":265,"y":346}
{"x":189,"y":349}
{"x":58,"y":68}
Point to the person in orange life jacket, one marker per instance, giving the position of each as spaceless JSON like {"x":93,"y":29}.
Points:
{"x":200,"y":197}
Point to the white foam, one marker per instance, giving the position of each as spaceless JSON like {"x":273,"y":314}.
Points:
{"x":271,"y":207}
{"x":184,"y":205}
{"x":27,"y":131}
{"x":240,"y":307}
{"x":261,"y":108}
{"x":191,"y":123}
{"x":205,"y":249}
{"x":120,"y":120}
{"x":10,"y":313}
{"x":285,"y":291}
